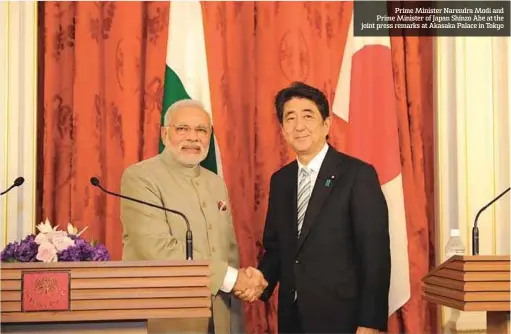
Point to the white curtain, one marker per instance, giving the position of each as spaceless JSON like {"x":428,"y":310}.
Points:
{"x":18,"y":117}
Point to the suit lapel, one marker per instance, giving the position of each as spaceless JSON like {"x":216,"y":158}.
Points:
{"x":322,"y":189}
{"x":293,"y":186}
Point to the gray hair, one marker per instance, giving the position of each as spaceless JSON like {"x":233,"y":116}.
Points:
{"x":183,"y":104}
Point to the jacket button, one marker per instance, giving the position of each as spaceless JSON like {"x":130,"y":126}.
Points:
{"x":296,"y":261}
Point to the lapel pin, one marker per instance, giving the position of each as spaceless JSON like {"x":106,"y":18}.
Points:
{"x":329,"y":181}
{"x":222,"y":206}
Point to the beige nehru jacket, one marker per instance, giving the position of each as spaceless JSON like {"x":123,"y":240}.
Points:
{"x":153,"y":234}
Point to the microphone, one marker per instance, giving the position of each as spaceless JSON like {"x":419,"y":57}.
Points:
{"x":18,"y":182}
{"x":475,"y":229}
{"x":189,"y":239}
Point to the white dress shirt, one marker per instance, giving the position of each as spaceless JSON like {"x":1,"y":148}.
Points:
{"x":229,"y":280}
{"x":314,"y":165}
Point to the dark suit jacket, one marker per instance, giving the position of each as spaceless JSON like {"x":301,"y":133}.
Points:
{"x":340,"y":265}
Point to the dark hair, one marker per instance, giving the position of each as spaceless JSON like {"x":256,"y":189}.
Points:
{"x":304,"y":91}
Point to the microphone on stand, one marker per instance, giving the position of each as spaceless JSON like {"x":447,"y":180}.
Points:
{"x":189,"y":238}
{"x":18,"y":182}
{"x":475,"y":229}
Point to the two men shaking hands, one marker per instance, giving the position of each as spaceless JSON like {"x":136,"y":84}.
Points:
{"x":250,"y":284}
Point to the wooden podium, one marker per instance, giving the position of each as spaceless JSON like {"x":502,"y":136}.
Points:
{"x":101,"y":297}
{"x":473,"y":283}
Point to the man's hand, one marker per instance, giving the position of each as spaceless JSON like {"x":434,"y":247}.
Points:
{"x":250,"y":284}
{"x":365,"y":330}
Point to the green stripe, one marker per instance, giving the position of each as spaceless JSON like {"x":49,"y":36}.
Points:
{"x":173,"y":91}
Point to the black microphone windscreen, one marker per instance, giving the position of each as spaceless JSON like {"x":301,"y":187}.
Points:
{"x":19,"y":181}
{"x":94,"y":181}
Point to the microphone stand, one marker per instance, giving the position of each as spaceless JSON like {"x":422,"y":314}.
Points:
{"x":189,"y":237}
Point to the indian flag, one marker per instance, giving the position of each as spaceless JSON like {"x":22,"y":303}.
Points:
{"x":186,"y":72}
{"x":372,"y":136}
{"x":186,"y":76}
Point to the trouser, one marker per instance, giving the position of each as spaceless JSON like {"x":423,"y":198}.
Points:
{"x":296,"y":320}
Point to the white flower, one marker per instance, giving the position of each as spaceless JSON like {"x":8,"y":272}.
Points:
{"x":62,"y":242}
{"x":71,"y":229}
{"x":55,"y":234}
{"x":45,"y":227}
{"x":74,"y":231}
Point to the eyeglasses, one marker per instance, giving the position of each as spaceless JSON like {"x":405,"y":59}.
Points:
{"x":200,"y":131}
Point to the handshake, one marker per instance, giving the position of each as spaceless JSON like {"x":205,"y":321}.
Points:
{"x":250,"y":284}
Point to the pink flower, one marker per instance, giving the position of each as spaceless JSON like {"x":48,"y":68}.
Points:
{"x":47,"y":252}
{"x":62,"y":242}
{"x":41,"y":238}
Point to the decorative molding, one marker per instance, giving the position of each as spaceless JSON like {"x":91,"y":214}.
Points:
{"x":18,"y":119}
{"x":465,"y":331}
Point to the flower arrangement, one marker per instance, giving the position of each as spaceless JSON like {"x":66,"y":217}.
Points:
{"x":52,"y":245}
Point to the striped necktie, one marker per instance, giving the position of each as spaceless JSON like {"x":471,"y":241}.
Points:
{"x":304,"y":194}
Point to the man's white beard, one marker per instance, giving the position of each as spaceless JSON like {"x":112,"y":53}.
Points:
{"x":185,"y":161}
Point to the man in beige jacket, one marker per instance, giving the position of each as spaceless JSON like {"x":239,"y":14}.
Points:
{"x":174,"y":179}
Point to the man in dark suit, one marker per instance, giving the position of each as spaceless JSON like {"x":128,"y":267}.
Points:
{"x":326,"y":236}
